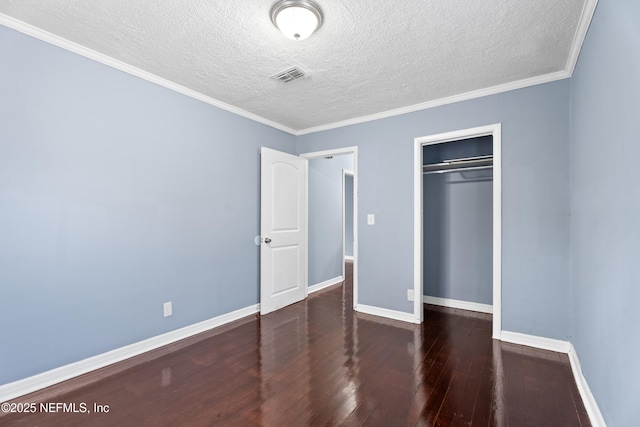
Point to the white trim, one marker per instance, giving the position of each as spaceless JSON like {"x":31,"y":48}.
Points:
{"x":332,"y":152}
{"x":588,"y":10}
{"x":590,"y":404}
{"x":36,"y":382}
{"x":325,"y":284}
{"x":543,"y":343}
{"x":454,"y":303}
{"x":496,"y":131}
{"x":547,"y":78}
{"x":578,"y":39}
{"x":589,"y":401}
{"x":497,"y":232}
{"x":348,"y":257}
{"x":581,"y":31}
{"x":576,"y":46}
{"x":384,"y":312}
{"x":63,"y":43}
{"x":336,"y":152}
{"x":580,"y":34}
{"x":418,"y":257}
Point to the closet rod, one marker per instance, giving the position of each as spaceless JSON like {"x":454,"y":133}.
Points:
{"x":472,"y":168}
{"x":488,"y":157}
{"x":464,"y":163}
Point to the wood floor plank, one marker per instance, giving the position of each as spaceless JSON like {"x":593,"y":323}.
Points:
{"x":319,"y":363}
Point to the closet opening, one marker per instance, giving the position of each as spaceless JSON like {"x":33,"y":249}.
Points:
{"x":458,"y":222}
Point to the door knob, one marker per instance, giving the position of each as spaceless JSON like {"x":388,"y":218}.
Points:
{"x":267,"y":240}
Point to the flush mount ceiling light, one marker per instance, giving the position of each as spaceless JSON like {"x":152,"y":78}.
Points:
{"x":297,"y":19}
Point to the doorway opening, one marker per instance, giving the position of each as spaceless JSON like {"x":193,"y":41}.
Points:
{"x":327,"y":242}
{"x":347,"y":215}
{"x":475,"y":171}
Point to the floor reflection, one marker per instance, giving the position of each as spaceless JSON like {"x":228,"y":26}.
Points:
{"x":320,"y":363}
{"x":498,"y":398}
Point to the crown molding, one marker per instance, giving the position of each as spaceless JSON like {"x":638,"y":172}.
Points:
{"x":63,"y":43}
{"x":581,"y":33}
{"x":586,"y":16}
{"x":519,"y":84}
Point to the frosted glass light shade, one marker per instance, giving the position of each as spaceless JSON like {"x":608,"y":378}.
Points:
{"x":296,"y":19}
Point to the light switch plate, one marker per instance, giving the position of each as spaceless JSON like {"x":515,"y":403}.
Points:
{"x":371,"y":219}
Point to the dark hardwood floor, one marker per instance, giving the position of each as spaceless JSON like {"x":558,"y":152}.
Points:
{"x":318,"y":363}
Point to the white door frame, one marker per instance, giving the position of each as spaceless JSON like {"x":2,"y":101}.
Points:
{"x":495,"y":130}
{"x":345,"y":174}
{"x":337,"y":152}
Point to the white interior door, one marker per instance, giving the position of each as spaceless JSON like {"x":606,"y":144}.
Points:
{"x":283,"y":230}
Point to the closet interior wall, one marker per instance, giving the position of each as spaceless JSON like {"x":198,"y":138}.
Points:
{"x":458,"y":224}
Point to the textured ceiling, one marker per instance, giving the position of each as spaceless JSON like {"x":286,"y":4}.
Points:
{"x":369,"y":57}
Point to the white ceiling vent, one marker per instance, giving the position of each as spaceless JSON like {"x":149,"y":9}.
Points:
{"x":290,"y":74}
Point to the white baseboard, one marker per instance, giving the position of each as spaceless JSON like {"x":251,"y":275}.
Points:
{"x":348,"y":257}
{"x":325,"y":284}
{"x":454,"y":303}
{"x":595,"y":416}
{"x":535,"y":341}
{"x":590,"y":404}
{"x":37,"y":382}
{"x":384,"y":312}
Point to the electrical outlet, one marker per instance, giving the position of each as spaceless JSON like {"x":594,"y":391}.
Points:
{"x":410,"y":294}
{"x":168,"y":309}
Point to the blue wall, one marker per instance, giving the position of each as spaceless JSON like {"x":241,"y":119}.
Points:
{"x":348,"y":215}
{"x":116,"y":195}
{"x":458,"y":237}
{"x":114,"y":198}
{"x":325,"y":217}
{"x":535,"y":201}
{"x":605,"y":209}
